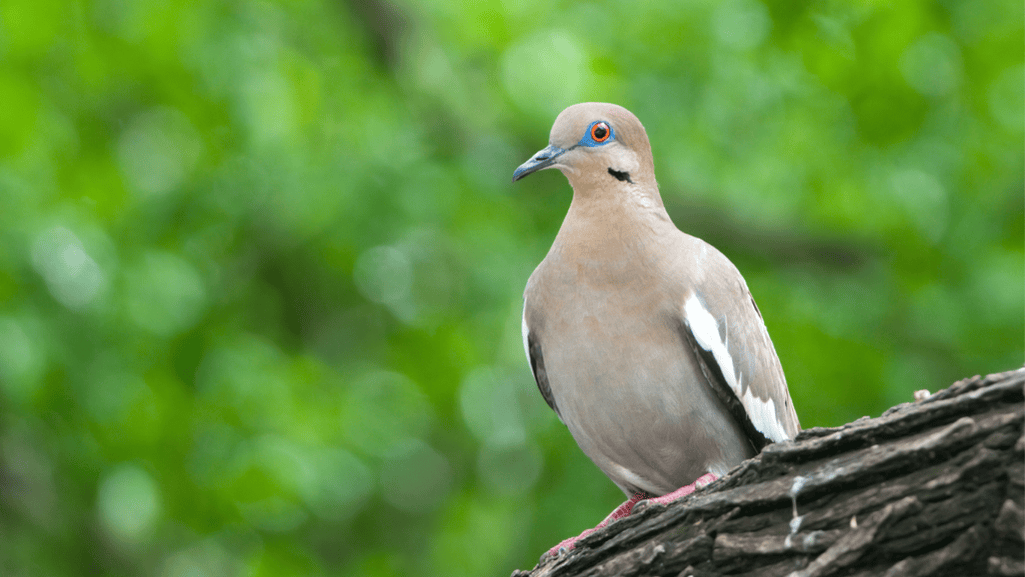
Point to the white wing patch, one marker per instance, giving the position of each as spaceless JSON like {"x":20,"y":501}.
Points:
{"x":763,"y":416}
{"x":706,"y":332}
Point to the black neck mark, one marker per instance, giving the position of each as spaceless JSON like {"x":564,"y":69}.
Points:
{"x":622,"y":176}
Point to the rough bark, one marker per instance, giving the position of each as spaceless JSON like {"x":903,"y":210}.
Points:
{"x":933,"y":487}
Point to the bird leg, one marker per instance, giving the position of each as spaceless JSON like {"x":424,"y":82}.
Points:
{"x":617,"y":513}
{"x":683,"y":491}
{"x":627,"y":507}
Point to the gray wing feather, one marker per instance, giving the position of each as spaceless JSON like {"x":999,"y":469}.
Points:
{"x":537,"y":366}
{"x":728,"y":328}
{"x":717,"y":382}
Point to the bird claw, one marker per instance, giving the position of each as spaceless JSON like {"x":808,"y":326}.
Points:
{"x":640,"y":507}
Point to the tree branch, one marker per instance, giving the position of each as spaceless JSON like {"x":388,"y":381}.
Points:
{"x":933,"y":487}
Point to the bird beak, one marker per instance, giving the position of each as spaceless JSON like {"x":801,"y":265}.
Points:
{"x":543,"y":159}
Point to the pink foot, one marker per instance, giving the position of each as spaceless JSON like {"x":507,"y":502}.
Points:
{"x":627,"y":507}
{"x":684,"y":491}
{"x":617,"y":513}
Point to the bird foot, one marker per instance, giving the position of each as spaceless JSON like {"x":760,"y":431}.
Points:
{"x":681,"y":492}
{"x":636,"y":502}
{"x":619,"y":512}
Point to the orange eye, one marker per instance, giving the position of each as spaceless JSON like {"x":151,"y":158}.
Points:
{"x":600,"y":132}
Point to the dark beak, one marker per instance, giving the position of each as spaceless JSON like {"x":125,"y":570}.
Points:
{"x":543,"y":159}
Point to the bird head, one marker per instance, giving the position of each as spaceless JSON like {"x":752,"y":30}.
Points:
{"x":595,"y":142}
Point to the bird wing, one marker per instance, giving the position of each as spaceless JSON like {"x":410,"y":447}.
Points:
{"x":532,"y":347}
{"x":725,"y":330}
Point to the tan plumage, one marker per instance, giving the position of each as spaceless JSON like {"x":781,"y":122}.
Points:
{"x":643,"y":339}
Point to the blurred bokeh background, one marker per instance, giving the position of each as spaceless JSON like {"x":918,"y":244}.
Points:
{"x":261,"y":263}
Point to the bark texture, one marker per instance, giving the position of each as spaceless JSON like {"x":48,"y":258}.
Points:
{"x":933,"y":487}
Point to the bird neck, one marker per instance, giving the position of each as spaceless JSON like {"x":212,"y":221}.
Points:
{"x":621,"y":222}
{"x":609,"y":201}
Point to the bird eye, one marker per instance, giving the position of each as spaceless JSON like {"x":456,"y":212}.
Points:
{"x":600,"y":132}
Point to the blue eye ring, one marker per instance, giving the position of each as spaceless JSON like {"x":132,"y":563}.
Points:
{"x":598,"y":133}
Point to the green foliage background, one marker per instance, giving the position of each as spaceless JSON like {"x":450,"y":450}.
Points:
{"x":261,"y":262}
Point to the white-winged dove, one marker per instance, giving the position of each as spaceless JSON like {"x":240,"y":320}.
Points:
{"x":644,"y":340}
